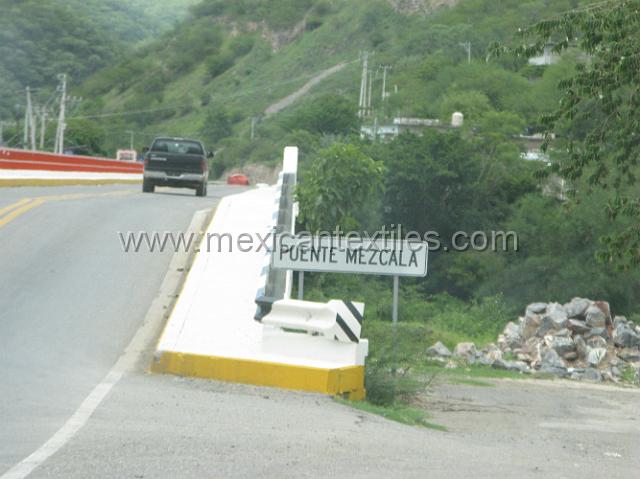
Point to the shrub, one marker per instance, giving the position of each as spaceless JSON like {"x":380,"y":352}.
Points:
{"x":329,"y":113}
{"x":386,"y":388}
{"x":338,"y":187}
{"x":217,"y":123}
{"x":219,"y":63}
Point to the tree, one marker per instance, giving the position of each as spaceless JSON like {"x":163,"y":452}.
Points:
{"x":329,"y":113}
{"x":557,"y":243}
{"x":340,"y":185}
{"x":473,"y":104}
{"x":599,"y":111}
{"x":443,"y":182}
{"x":217,"y":124}
{"x":85,"y":137}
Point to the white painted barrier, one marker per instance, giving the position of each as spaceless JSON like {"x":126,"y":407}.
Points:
{"x":335,"y":320}
{"x":211,"y":331}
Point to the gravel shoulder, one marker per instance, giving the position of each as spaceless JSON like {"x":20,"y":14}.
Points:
{"x":165,"y":426}
{"x":591,"y":429}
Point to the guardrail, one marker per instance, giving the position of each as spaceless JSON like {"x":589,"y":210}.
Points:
{"x":15,"y":159}
{"x":276,"y":284}
{"x":335,"y":320}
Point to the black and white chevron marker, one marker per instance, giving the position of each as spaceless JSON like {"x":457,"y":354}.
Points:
{"x":349,"y":316}
{"x":336,"y":320}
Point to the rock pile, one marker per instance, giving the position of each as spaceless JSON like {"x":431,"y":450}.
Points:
{"x":577,"y":340}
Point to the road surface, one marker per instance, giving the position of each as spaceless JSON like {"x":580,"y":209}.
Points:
{"x":71,"y":300}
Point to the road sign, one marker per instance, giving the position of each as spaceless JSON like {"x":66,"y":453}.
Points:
{"x":351,"y":255}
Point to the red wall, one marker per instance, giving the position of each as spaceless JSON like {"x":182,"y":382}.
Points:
{"x":12,"y":159}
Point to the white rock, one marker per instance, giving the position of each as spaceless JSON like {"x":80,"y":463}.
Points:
{"x":537,"y":308}
{"x":512,"y":335}
{"x":625,"y":337}
{"x":439,"y":350}
{"x":557,"y":314}
{"x":577,"y":307}
{"x":465,"y":350}
{"x":595,"y":318}
{"x":562,"y":345}
{"x":596,"y":356}
{"x":529,"y":325}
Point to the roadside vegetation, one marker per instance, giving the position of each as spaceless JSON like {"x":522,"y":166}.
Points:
{"x":214,"y":75}
{"x":237,"y":58}
{"x":40,"y":39}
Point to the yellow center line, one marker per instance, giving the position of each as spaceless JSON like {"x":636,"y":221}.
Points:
{"x":19,"y":211}
{"x":12,"y":206}
{"x":80,"y":196}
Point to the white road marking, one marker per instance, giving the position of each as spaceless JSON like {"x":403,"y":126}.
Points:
{"x":126,"y":362}
{"x":68,"y":430}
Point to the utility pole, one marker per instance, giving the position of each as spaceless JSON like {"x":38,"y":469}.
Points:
{"x":59,"y":143}
{"x":16,"y":116}
{"x":362,"y":102}
{"x":384,"y":87}
{"x":25,"y":130}
{"x":29,"y":124}
{"x":131,"y":134}
{"x":1,"y":133}
{"x":369,"y":111}
{"x":43,"y":126}
{"x":467,"y":47}
{"x":384,"y":81}
{"x":253,"y":127}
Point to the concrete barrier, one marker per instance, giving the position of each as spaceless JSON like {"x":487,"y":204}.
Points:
{"x":36,"y":168}
{"x":336,"y":320}
{"x":211,"y":332}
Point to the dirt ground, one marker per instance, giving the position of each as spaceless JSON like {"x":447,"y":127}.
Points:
{"x":548,"y":419}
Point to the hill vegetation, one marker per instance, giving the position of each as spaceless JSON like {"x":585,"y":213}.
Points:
{"x":41,"y":38}
{"x":216,"y":73}
{"x":219,"y":70}
{"x":230,"y":60}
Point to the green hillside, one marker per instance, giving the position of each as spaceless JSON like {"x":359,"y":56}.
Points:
{"x":228,"y":61}
{"x":40,"y":39}
{"x":252,"y":76}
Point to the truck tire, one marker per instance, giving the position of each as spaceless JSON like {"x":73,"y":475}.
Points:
{"x":148,"y":187}
{"x":201,"y":190}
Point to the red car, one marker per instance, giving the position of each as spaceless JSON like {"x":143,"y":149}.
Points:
{"x":238,"y":180}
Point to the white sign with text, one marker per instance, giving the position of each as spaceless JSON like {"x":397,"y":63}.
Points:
{"x":351,"y":255}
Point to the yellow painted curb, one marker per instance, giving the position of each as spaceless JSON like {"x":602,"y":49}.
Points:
{"x":335,"y":381}
{"x":62,"y":182}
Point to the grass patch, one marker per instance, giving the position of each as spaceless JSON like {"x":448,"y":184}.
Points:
{"x":471,"y":382}
{"x":629,"y":376}
{"x":397,"y":412}
{"x":471,"y":372}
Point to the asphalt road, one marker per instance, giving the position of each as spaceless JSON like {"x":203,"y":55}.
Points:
{"x":168,"y":427}
{"x":71,"y":300}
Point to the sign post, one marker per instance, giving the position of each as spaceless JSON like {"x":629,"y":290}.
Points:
{"x":384,"y":256}
{"x":300,"y":285}
{"x":394,"y":322}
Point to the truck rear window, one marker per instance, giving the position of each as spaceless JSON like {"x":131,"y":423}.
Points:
{"x":178,"y":147}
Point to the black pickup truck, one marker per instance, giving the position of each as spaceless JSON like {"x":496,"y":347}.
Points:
{"x":177,"y":162}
